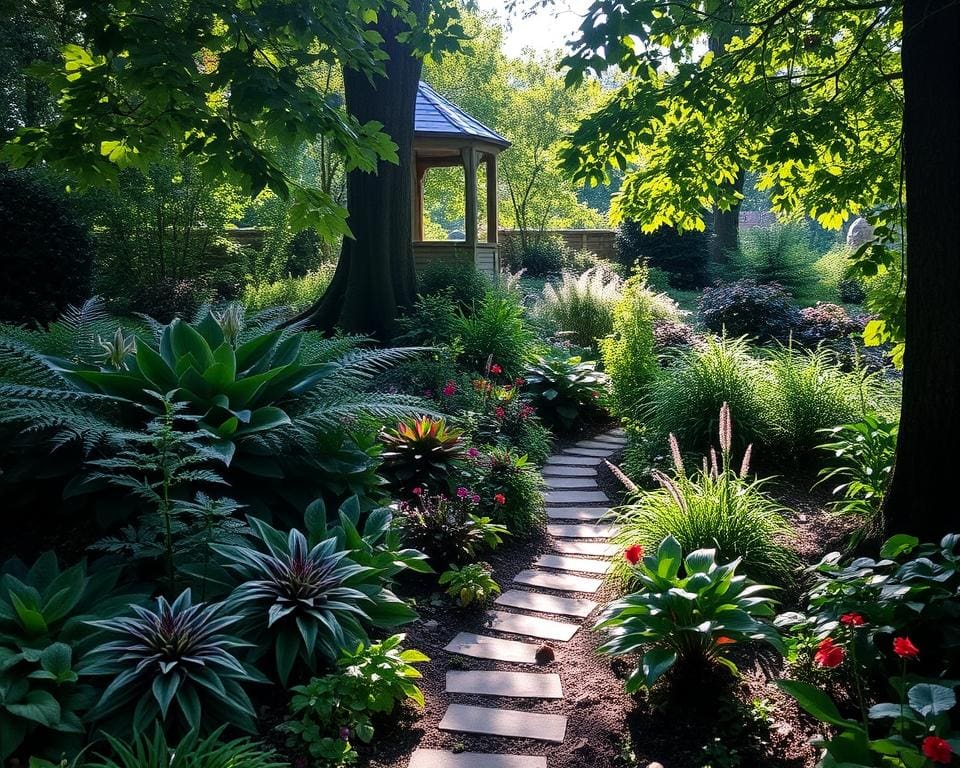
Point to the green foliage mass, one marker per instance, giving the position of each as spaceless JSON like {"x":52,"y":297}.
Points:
{"x":580,"y":308}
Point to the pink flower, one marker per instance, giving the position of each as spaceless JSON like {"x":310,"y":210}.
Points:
{"x":475,"y":498}
{"x":418,"y":491}
{"x":520,"y":381}
{"x":462,"y":492}
{"x":472,"y":452}
{"x":496,"y":369}
{"x":499,"y":412}
{"x":428,"y":393}
{"x":500,"y":499}
{"x":450,"y":390}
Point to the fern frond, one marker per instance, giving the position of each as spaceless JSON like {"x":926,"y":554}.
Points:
{"x":21,"y":363}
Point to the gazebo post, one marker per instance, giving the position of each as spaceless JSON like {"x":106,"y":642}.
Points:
{"x":469,"y":156}
{"x":420,"y":172}
{"x":492,"y":226}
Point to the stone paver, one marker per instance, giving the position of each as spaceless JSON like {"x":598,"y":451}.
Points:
{"x":537,"y":601}
{"x":528,"y":685}
{"x":570,"y":482}
{"x":530,"y":626}
{"x":599,"y":445}
{"x":576,"y":513}
{"x":618,"y":432}
{"x":438,"y":758}
{"x":576,"y":497}
{"x":504,"y":722}
{"x":573,"y":461}
{"x":562,"y":582}
{"x":483,"y":647}
{"x":576,"y":547}
{"x":581,"y":531}
{"x":576,"y":564}
{"x":562,"y":470}
{"x":594,"y":452}
{"x":610,"y":439}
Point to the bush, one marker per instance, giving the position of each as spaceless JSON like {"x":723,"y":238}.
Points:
{"x":295,"y":292}
{"x":422,"y":452}
{"x":691,"y":619}
{"x":628,"y":354}
{"x":778,"y":254}
{"x":715,"y":506}
{"x":668,"y":334}
{"x":47,"y":253}
{"x":684,"y":257}
{"x":580,"y":309}
{"x":832,"y":271}
{"x":826,"y":322}
{"x":543,"y":255}
{"x":566,"y":391}
{"x":433,"y":320}
{"x":689,"y":393}
{"x":497,"y":332}
{"x":747,"y":308}
{"x":511,"y":491}
{"x":463,"y":282}
{"x":472,"y":584}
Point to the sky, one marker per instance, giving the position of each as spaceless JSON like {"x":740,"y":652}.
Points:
{"x":549,"y":29}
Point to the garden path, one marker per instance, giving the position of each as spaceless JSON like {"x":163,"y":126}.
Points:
{"x":559,"y":585}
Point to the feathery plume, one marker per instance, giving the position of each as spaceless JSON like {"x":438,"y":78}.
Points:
{"x":670,"y":487}
{"x":726,"y":429}
{"x":745,"y":466}
{"x":619,"y":474}
{"x":714,"y":467}
{"x":675,"y":452}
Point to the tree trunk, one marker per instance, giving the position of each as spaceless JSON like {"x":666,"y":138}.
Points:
{"x":919,"y":500}
{"x":375,"y":274}
{"x":726,"y":228}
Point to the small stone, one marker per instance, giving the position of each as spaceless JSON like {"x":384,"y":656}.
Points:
{"x":655,"y":765}
{"x":545,"y":654}
{"x":431,"y":625}
{"x":579,"y":744}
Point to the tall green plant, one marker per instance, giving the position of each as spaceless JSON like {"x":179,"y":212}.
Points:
{"x":495,"y":330}
{"x":778,"y":254}
{"x":580,"y":308}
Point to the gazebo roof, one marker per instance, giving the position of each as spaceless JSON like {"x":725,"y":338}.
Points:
{"x":438,"y":118}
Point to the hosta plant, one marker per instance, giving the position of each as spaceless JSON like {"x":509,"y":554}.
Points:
{"x":688,"y":610}
{"x":306,"y":601}
{"x":177,"y":664}
{"x":329,"y":711}
{"x":472,"y":584}
{"x":567,"y":391}
{"x":421,"y":452}
{"x":44,"y":630}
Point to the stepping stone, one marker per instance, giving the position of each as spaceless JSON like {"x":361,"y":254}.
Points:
{"x":562,"y":582}
{"x":611,"y":439}
{"x":618,"y":432}
{"x":577,"y":564}
{"x":562,"y":470}
{"x":581,"y":531}
{"x":482,"y":647}
{"x":531,"y":626}
{"x":576,"y":513}
{"x":596,"y":452}
{"x":573,"y":461}
{"x":537,"y":601}
{"x":570,"y":482}
{"x":598,"y":445}
{"x":530,"y":685}
{"x":504,"y":722}
{"x":438,"y":758}
{"x":596,"y":548}
{"x":575,"y":497}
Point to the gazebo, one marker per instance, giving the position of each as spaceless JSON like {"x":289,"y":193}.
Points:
{"x":444,"y":136}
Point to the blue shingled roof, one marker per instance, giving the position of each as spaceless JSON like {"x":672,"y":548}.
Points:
{"x":435,"y":116}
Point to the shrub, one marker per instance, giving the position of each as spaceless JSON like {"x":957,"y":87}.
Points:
{"x":47,"y":256}
{"x":502,"y":416}
{"x":329,"y":711}
{"x":806,"y":394}
{"x":832,"y":270}
{"x":296,"y":292}
{"x":44,"y":632}
{"x":306,"y":599}
{"x":433,"y":320}
{"x":495,"y":331}
{"x":462,"y":282}
{"x":862,"y":460}
{"x":447,"y":528}
{"x":177,"y":664}
{"x":687,"y":396}
{"x":778,"y":254}
{"x":668,"y":334}
{"x":191,"y":751}
{"x":683,"y":256}
{"x":511,"y":491}
{"x":566,"y":391}
{"x":541,"y":256}
{"x":713,"y":506}
{"x":689,"y":619}
{"x":471,"y":584}
{"x":825,"y":322}
{"x":581,"y":308}
{"x":748,"y":308}
{"x":422,"y":452}
{"x":628,"y":354}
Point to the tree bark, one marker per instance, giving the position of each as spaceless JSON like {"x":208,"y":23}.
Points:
{"x":375,"y":274}
{"x":726,"y":228}
{"x":919,"y":500}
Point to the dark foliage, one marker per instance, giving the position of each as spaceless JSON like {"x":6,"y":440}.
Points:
{"x":543,"y":255}
{"x":462,"y":282}
{"x":684,"y":257}
{"x":763,"y":311}
{"x":826,"y":322}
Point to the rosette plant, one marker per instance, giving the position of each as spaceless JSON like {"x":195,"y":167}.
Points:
{"x":566,"y":391}
{"x":307,"y":600}
{"x":687,"y":611}
{"x":421,"y":452}
{"x":177,"y":663}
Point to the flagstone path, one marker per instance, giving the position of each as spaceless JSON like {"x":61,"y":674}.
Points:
{"x":554,"y":586}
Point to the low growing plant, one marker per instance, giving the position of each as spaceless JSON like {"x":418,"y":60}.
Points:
{"x":747,"y":308}
{"x":567,"y":391}
{"x":421,"y":452}
{"x":688,"y":611}
{"x":511,"y":490}
{"x":472,"y":584}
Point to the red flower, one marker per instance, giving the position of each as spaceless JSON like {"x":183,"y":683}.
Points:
{"x":633,"y":553}
{"x":904,"y":648}
{"x":500,"y":498}
{"x":520,"y":381}
{"x":829,"y":654}
{"x":450,"y":390}
{"x":724,"y":640}
{"x":496,"y":369}
{"x":937,"y":750}
{"x":499,"y":412}
{"x":417,"y":491}
{"x":853,"y":620}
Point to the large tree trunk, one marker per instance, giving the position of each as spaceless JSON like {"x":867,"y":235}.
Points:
{"x":726,"y":228}
{"x":375,"y":274}
{"x":919,"y":500}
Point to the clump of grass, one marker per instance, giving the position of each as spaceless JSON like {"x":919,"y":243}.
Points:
{"x":298,"y":293}
{"x":581,"y":306}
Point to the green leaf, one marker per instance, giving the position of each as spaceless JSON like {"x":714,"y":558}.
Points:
{"x":669,"y":557}
{"x":930,"y":699}
{"x":655,"y":662}
{"x":898,"y":545}
{"x":815,"y":702}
